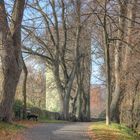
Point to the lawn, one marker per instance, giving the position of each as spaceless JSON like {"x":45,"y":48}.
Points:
{"x":99,"y":131}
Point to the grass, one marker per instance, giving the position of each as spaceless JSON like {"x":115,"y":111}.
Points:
{"x":99,"y":131}
{"x":13,"y":131}
{"x":9,"y":131}
{"x":11,"y":127}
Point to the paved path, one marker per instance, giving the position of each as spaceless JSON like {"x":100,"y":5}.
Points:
{"x":58,"y":131}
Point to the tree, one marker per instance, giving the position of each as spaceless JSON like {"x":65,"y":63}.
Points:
{"x":118,"y":59}
{"x":104,"y":22}
{"x":129,"y":109}
{"x":24,"y":89}
{"x":59,"y":44}
{"x":107,"y":63}
{"x":10,"y":45}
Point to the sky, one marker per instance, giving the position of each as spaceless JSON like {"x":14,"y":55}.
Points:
{"x":95,"y":74}
{"x":96,"y":62}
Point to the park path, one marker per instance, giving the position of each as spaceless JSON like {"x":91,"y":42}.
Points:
{"x":58,"y":131}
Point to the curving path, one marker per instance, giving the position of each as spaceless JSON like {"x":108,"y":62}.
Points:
{"x":58,"y":131}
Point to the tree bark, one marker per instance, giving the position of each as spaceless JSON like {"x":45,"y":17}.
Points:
{"x":24,"y":89}
{"x":131,"y":23}
{"x":107,"y":67}
{"x":64,"y":91}
{"x":108,"y":80}
{"x":10,"y":44}
{"x":118,"y":53}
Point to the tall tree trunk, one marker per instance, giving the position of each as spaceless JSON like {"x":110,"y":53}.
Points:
{"x":10,"y":44}
{"x":88,"y":79}
{"x":118,"y":53}
{"x":107,"y":68}
{"x":80,"y":103}
{"x":60,"y":88}
{"x":108,"y":80}
{"x":128,"y":66}
{"x":66,"y":107}
{"x":65,"y":91}
{"x":74,"y":107}
{"x":11,"y":74}
{"x":83,"y":92}
{"x":68,"y":92}
{"x":132,"y":6}
{"x":24,"y":89}
{"x":69,"y":83}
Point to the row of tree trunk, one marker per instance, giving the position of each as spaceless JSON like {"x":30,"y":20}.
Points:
{"x":123,"y":54}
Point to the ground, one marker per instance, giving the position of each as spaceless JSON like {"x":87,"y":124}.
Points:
{"x":10,"y":131}
{"x":58,"y":131}
{"x":100,"y":131}
{"x":62,"y":130}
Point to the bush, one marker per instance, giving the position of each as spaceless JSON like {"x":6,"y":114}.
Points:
{"x":18,"y":109}
{"x":42,"y":114}
{"x":36,"y":110}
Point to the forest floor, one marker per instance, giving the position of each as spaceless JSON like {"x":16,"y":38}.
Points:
{"x":99,"y":131}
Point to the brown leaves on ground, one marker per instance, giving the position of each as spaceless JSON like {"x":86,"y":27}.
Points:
{"x":27,"y":123}
{"x":14,"y":131}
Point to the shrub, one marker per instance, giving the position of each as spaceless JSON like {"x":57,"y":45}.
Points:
{"x":36,"y":110}
{"x":18,"y":109}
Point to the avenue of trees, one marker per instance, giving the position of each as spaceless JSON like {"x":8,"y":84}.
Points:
{"x":62,"y":36}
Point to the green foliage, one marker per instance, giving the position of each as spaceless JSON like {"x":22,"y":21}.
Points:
{"x":29,"y":105}
{"x":36,"y":110}
{"x":18,"y":105}
{"x":43,"y":114}
{"x":17,"y":108}
{"x":10,"y":127}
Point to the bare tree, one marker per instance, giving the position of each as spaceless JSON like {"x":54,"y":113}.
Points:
{"x":61,"y":49}
{"x":104,"y":22}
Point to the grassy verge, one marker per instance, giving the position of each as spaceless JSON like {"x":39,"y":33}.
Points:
{"x":99,"y":131}
{"x":9,"y":131}
{"x":14,"y":131}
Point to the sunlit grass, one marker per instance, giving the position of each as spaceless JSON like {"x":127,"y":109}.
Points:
{"x":100,"y":131}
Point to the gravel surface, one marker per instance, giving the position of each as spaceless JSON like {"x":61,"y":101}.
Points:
{"x":58,"y":131}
